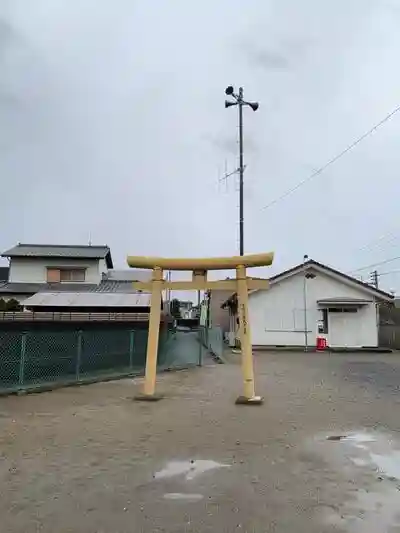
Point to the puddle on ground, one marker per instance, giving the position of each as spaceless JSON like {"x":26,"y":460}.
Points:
{"x":190,"y":469}
{"x":388,"y":464}
{"x":377,"y":451}
{"x":358,"y":461}
{"x":183,"y":497}
{"x":372,"y":512}
{"x":377,"y":507}
{"x":359,"y":439}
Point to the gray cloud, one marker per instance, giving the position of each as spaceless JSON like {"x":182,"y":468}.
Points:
{"x":112,"y":111}
{"x":268,"y":59}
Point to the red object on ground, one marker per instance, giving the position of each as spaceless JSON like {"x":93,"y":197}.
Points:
{"x":321,"y":344}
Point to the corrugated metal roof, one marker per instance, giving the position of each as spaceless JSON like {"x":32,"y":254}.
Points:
{"x":87,"y":299}
{"x":60,"y":250}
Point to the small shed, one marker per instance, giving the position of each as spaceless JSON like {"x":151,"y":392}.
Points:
{"x":310,"y":300}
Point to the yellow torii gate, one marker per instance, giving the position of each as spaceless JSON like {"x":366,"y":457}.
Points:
{"x":199,"y":268}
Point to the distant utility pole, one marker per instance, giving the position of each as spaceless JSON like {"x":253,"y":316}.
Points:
{"x":374,"y":279}
{"x":240,"y":102}
{"x":305,"y":259}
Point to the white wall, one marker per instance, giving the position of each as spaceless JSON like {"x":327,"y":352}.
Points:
{"x":34,"y":270}
{"x":277,"y":315}
{"x":102,"y":267}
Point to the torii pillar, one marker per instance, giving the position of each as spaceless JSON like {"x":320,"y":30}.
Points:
{"x":199,"y":268}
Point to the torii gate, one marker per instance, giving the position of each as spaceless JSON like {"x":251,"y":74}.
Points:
{"x":199,"y":268}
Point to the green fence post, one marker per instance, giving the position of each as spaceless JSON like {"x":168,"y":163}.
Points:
{"x":22,"y":359}
{"x":200,"y":341}
{"x":78,"y":356}
{"x":131,"y":347}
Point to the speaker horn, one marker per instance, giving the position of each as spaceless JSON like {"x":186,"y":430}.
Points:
{"x":254,"y":105}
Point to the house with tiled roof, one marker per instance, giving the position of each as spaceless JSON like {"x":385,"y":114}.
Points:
{"x":45,"y":277}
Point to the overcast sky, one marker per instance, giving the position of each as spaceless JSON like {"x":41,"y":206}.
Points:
{"x":113,"y":127}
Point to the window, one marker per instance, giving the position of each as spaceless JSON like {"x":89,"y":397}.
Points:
{"x":323,"y":324}
{"x":53,"y":275}
{"x":57,"y":275}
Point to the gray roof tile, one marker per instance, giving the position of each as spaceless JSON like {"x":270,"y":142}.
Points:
{"x":59,"y":250}
{"x":105,"y":286}
{"x":120,"y":286}
{"x":132,"y":274}
{"x":20,"y":288}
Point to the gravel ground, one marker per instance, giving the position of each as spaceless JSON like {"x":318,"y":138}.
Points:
{"x":91,"y":460}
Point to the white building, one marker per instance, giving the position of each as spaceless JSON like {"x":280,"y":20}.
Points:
{"x":313,"y":300}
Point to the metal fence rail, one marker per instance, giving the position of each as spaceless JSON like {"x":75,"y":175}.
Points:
{"x":28,"y":316}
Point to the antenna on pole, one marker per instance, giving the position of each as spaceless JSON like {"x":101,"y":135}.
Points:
{"x":227,"y":174}
{"x":224,"y":179}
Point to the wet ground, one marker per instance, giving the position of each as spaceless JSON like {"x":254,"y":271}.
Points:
{"x":321,"y":455}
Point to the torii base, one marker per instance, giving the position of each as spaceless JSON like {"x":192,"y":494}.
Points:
{"x":255,"y":400}
{"x":148,"y":397}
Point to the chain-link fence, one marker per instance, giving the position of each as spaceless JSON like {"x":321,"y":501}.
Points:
{"x":181,"y":350}
{"x":40,"y":358}
{"x":213,"y":340}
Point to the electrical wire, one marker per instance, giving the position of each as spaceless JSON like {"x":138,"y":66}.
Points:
{"x":387,"y":273}
{"x":381,"y":241}
{"x":376,"y":264}
{"x":320,"y":170}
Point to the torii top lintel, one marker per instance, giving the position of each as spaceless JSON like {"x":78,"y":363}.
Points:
{"x":202,"y":263}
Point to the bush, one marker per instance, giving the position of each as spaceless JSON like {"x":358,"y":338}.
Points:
{"x":10,"y":305}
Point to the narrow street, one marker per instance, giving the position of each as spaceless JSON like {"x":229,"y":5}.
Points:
{"x":321,"y":455}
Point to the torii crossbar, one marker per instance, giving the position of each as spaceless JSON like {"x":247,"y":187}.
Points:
{"x":199,"y":268}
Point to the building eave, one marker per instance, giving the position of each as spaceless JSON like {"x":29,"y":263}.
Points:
{"x":378,"y":294}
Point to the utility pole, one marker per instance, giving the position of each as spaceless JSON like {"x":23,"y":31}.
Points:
{"x":374,"y":279}
{"x":241,"y":172}
{"x":305,"y":259}
{"x":240,"y":102}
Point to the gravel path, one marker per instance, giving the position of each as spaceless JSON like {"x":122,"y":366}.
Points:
{"x":91,"y":460}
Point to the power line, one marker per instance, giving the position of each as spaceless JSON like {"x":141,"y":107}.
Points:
{"x":389,"y":237}
{"x":389,"y":272}
{"x":376,"y":264}
{"x":333,"y":160}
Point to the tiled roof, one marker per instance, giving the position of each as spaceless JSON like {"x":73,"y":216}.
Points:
{"x":59,"y":250}
{"x":109,"y":285}
{"x":20,"y":288}
{"x":105,"y":286}
{"x":132,"y":274}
